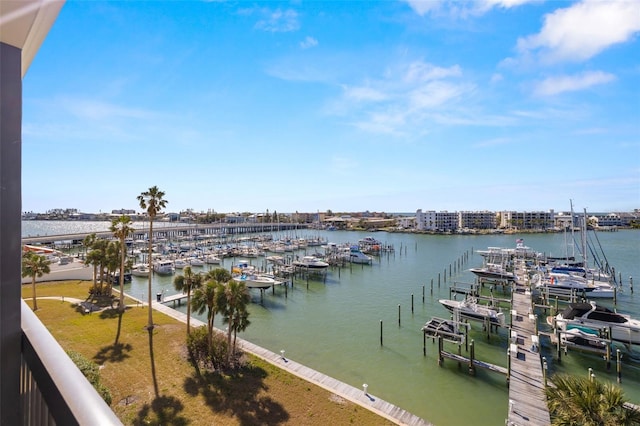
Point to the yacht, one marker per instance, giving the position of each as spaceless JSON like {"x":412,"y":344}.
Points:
{"x":469,"y":308}
{"x":310,"y":262}
{"x":494,"y":271}
{"x":140,"y":270}
{"x":261,"y":281}
{"x":590,"y":316}
{"x":164,"y":267}
{"x":180,"y":263}
{"x":355,"y":255}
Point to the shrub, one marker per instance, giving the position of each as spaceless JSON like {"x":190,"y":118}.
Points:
{"x":91,"y":371}
{"x":199,"y":349}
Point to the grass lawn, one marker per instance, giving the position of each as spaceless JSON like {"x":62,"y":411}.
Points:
{"x":258,"y":394}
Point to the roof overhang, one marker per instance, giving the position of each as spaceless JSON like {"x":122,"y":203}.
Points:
{"x":25,"y":24}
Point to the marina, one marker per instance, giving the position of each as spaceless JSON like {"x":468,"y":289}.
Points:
{"x":336,"y":323}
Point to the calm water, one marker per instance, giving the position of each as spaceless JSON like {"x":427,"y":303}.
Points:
{"x":334,"y":326}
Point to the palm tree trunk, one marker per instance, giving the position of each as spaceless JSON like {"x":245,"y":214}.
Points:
{"x":121,"y":307}
{"x":150,"y":323}
{"x":188,"y":311}
{"x":229,"y":340}
{"x":95,"y":278}
{"x":33,"y":293}
{"x":210,"y":330}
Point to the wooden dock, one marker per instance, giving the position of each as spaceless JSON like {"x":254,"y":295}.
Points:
{"x":174,"y":298}
{"x":527,"y":401}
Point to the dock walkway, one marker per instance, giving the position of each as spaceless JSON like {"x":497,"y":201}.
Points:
{"x":527,"y":401}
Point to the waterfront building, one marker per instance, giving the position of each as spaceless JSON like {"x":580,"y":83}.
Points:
{"x":425,"y":221}
{"x":605,"y":220}
{"x":536,"y":220}
{"x":436,"y":221}
{"x":477,"y":220}
{"x":406,"y":222}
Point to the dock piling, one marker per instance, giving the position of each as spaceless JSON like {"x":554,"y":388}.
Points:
{"x":618,"y":366}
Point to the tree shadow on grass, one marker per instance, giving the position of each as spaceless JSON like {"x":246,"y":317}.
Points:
{"x":113,"y":353}
{"x":163,"y":410}
{"x":238,"y":394}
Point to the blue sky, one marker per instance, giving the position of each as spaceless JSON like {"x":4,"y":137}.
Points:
{"x":343,"y":105}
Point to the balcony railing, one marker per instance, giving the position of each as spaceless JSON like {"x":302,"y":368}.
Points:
{"x":53,"y":390}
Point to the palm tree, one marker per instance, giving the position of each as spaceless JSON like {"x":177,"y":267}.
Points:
{"x":90,"y":259}
{"x":152,"y":201}
{"x":185,"y":283}
{"x":112,"y":263}
{"x":240,"y":323}
{"x":209,"y":297}
{"x":234,"y":308}
{"x":121,"y":228}
{"x":577,"y":400}
{"x":98,"y":256}
{"x":205,"y":298}
{"x":34,"y":265}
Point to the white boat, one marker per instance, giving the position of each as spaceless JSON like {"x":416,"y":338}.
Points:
{"x":469,"y":308}
{"x":580,"y":337}
{"x":596,"y":318}
{"x":212,"y":259}
{"x":256,"y":280}
{"x":310,"y":262}
{"x":196,"y":261}
{"x":164,"y":267}
{"x":275,"y":259}
{"x":180,"y":263}
{"x":140,"y":270}
{"x":563,"y":282}
{"x":355,"y":255}
{"x":494,"y":271}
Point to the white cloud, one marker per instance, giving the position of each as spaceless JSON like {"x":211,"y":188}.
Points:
{"x":363,"y":94}
{"x":435,"y":94}
{"x":556,"y":85}
{"x":387,"y":123}
{"x":422,"y":7}
{"x":583,"y":30}
{"x":278,"y":20}
{"x":462,"y":8}
{"x":420,"y":71}
{"x":404,"y":98}
{"x":308,"y":42}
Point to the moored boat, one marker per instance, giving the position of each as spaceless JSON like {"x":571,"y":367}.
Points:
{"x":164,"y":267}
{"x":256,"y":280}
{"x":180,"y":263}
{"x":493,"y":271}
{"x":310,"y":262}
{"x":596,"y":318}
{"x":355,"y":255}
{"x":140,"y":270}
{"x":469,"y":308}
